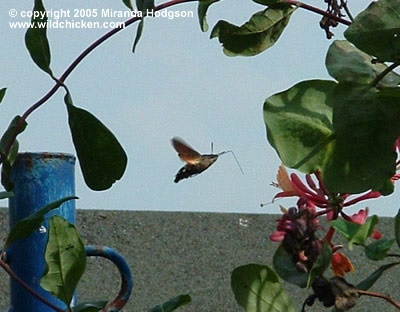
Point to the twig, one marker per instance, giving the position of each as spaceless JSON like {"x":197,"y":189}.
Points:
{"x":318,"y":11}
{"x":386,"y":297}
{"x":75,"y":63}
{"x":346,"y":8}
{"x":387,"y":70}
{"x":6,"y":268}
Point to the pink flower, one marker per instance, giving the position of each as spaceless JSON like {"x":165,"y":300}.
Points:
{"x":360,"y":217}
{"x":277,"y":236}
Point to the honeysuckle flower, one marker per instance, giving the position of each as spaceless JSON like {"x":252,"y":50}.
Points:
{"x":340,"y":264}
{"x":277,"y":236}
{"x":296,"y":229}
{"x":315,"y":194}
{"x":284,"y":182}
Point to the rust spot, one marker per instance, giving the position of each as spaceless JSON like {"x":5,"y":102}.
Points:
{"x":49,"y":156}
{"x":117,"y":303}
{"x":28,"y":160}
{"x":44,"y":156}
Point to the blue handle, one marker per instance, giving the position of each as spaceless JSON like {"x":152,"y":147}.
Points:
{"x":126,"y":276}
{"x":124,"y":270}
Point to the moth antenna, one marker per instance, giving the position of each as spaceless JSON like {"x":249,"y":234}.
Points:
{"x":212,"y":147}
{"x":234,"y":156}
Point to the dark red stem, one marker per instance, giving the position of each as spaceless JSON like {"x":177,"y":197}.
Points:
{"x":64,"y":76}
{"x":318,"y":11}
{"x":27,"y":288}
{"x":377,"y":295}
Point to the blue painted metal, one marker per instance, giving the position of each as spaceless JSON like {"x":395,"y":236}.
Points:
{"x":39,"y":179}
{"x":124,"y":270}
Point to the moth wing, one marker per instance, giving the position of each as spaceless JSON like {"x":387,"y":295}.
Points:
{"x":185,"y":152}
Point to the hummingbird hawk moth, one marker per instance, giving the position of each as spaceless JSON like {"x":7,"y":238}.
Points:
{"x":195,"y":162}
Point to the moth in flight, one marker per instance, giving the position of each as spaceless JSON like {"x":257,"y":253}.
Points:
{"x":195,"y":162}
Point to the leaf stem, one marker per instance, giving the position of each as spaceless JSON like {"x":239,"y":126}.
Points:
{"x":318,"y":11}
{"x":7,"y":268}
{"x":387,"y":70}
{"x":386,"y":297}
{"x":59,"y":82}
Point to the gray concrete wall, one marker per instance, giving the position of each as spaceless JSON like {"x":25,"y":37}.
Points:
{"x":173,"y":253}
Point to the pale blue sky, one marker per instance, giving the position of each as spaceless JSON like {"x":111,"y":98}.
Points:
{"x":178,"y":83}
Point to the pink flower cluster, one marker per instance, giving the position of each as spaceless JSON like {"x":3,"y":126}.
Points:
{"x":298,"y":225}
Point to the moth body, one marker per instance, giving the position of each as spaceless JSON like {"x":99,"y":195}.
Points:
{"x":191,"y":169}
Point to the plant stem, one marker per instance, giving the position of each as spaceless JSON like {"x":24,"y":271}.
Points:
{"x":6,"y":268}
{"x":346,"y":8}
{"x":75,"y":63}
{"x":318,"y":11}
{"x":386,"y":297}
{"x":387,"y":70}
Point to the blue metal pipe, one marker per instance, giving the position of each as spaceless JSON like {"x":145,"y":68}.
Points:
{"x":39,"y":179}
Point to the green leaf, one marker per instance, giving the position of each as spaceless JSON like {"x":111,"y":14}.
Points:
{"x":88,"y":307}
{"x":376,"y":30}
{"x":346,"y":63}
{"x":5,"y":176}
{"x":9,"y":160}
{"x":144,"y":5}
{"x":172,"y":304}
{"x":345,"y":130}
{"x":258,"y":34}
{"x":128,"y":3}
{"x":321,"y":264}
{"x":13,"y":153}
{"x":28,"y":225}
{"x":366,"y":127}
{"x":257,"y":288}
{"x":397,"y":227}
{"x":7,"y":164}
{"x":2,"y":93}
{"x":4,"y":195}
{"x":10,"y":131}
{"x":138,"y":34}
{"x":202,"y":13}
{"x":65,"y":258}
{"x":370,"y":280}
{"x":353,"y":232}
{"x":378,"y":250}
{"x":286,"y":269}
{"x":299,"y":123}
{"x":101,"y":157}
{"x":36,"y":39}
{"x":387,"y":187}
